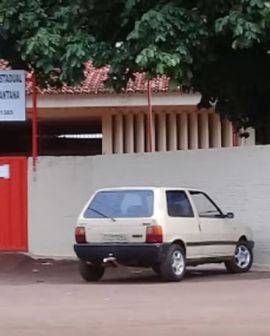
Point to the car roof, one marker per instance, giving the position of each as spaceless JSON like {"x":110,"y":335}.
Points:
{"x":147,"y":188}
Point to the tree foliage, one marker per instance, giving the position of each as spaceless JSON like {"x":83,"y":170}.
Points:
{"x":217,"y":47}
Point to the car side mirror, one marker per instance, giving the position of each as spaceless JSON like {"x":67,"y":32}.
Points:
{"x":230,"y":215}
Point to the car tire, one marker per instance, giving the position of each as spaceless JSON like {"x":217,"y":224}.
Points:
{"x":89,"y":272}
{"x":156,"y":268}
{"x":243,"y":258}
{"x":173,"y":268}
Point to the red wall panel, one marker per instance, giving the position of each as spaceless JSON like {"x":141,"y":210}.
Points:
{"x":13,"y":205}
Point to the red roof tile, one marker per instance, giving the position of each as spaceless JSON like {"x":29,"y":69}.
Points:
{"x":94,"y":82}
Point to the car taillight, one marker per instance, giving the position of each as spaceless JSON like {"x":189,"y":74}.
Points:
{"x":80,"y":235}
{"x":154,"y":234}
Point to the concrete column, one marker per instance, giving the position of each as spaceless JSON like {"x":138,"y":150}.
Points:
{"x":107,"y":133}
{"x":251,"y":140}
{"x":183,"y":131}
{"x":161,"y":132}
{"x":118,"y":134}
{"x":242,"y":141}
{"x":172,"y":132}
{"x":129,"y":134}
{"x":239,"y":140}
{"x":215,"y":130}
{"x":140,"y":133}
{"x":193,"y":130}
{"x":227,"y":134}
{"x":204,"y":130}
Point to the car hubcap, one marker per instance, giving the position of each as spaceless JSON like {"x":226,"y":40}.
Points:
{"x":178,"y":263}
{"x":242,"y":256}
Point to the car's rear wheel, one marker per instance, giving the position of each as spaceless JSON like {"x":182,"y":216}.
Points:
{"x":89,"y":272}
{"x":156,"y":268}
{"x":243,"y":258}
{"x":173,"y":268}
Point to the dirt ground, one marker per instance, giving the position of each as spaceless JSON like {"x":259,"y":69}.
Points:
{"x":44,"y":297}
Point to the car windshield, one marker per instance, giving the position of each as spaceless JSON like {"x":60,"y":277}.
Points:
{"x":121,"y":204}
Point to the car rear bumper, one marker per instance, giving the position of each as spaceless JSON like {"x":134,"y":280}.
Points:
{"x":126,"y":254}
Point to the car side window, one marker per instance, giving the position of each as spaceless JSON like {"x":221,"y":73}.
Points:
{"x":178,"y":204}
{"x":205,"y":206}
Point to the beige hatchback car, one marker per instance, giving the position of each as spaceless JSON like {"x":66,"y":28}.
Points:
{"x":163,"y":228}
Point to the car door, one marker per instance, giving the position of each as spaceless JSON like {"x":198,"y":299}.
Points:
{"x":217,"y":236}
{"x":181,"y":222}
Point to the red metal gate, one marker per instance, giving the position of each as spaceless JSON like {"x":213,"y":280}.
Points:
{"x":13,"y":204}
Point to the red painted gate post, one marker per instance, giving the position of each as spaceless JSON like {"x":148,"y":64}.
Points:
{"x":34,"y":123}
{"x":151,"y":145}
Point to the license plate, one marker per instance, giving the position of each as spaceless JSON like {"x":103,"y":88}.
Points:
{"x":114,"y":237}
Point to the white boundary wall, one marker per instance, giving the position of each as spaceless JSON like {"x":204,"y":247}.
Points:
{"x":237,"y":178}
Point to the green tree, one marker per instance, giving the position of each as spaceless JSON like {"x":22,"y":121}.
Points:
{"x":217,"y":47}
{"x":49,"y":36}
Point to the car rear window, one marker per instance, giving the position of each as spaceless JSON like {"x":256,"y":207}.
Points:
{"x":121,"y":204}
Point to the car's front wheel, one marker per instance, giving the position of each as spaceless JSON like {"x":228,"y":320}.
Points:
{"x":243,"y":258}
{"x":89,"y":272}
{"x":173,"y":267}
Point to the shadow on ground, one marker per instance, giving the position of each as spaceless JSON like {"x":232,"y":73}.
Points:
{"x":21,"y":269}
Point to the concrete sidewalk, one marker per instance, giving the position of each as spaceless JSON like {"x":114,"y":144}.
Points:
{"x":21,"y":268}
{"x":17,"y":268}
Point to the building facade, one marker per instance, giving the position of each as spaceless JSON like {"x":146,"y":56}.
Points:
{"x":90,"y":119}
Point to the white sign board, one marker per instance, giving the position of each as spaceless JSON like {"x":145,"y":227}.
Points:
{"x":4,"y":171}
{"x":12,"y":95}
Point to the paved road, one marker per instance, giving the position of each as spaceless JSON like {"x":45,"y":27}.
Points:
{"x":38,"y":299}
